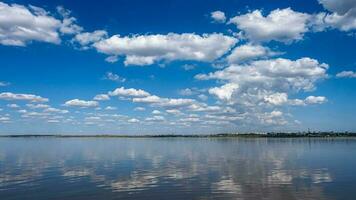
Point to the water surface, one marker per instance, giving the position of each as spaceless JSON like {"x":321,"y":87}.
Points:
{"x":177,"y":168}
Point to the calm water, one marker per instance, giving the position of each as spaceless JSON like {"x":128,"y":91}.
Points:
{"x":84,"y":168}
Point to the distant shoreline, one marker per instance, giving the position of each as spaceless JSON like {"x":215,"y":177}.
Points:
{"x":224,"y":135}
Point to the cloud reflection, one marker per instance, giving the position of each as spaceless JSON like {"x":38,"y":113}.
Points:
{"x":238,"y":169}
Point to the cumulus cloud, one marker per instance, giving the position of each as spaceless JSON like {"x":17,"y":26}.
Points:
{"x":277,"y":98}
{"x":156,"y":112}
{"x":131,"y":92}
{"x":249,"y":52}
{"x":81,"y":103}
{"x":102,"y":97}
{"x":55,"y":110}
{"x":272,"y":118}
{"x":165,"y":102}
{"x":110,"y":108}
{"x":255,"y":88}
{"x":315,"y":100}
{"x":186,"y":92}
{"x":342,"y":16}
{"x":26,"y":97}
{"x":23,"y":24}
{"x":68,"y":25}
{"x":339,"y":6}
{"x":87,"y":38}
{"x":139,"y":109}
{"x":37,"y":106}
{"x":4,"y":119}
{"x":284,"y":25}
{"x":287,"y":25}
{"x":218,"y":16}
{"x":224,"y":92}
{"x":133,"y":120}
{"x":174,"y":111}
{"x":203,"y":97}
{"x":345,"y":22}
{"x":148,"y":49}
{"x":148,"y":99}
{"x":13,"y":105}
{"x":346,"y":74}
{"x":155,"y":118}
{"x":278,"y":74}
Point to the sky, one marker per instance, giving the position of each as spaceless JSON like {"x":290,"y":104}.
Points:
{"x":177,"y":67}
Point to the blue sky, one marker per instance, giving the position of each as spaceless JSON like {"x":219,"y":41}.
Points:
{"x":133,"y":67}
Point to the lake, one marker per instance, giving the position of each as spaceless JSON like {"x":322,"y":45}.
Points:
{"x":177,"y":168}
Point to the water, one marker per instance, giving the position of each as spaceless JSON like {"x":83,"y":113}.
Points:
{"x":180,"y":168}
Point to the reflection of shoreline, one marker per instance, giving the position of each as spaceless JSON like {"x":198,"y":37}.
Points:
{"x":224,"y":135}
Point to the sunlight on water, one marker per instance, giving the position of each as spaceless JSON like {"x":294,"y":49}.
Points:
{"x":193,"y":168}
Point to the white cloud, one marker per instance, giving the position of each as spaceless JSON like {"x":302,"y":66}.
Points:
{"x":190,"y":119}
{"x":277,"y":98}
{"x":41,"y":115}
{"x":249,"y":52}
{"x":4,"y":119}
{"x":139,"y":109}
{"x":339,"y":6}
{"x":315,"y":100}
{"x":114,"y":77}
{"x":174,"y":111}
{"x":164,"y":102}
{"x":139,"y":60}
{"x":277,"y":74}
{"x":286,"y":25}
{"x":55,"y":110}
{"x":36,"y":106}
{"x":283,"y":25}
{"x":149,"y":99}
{"x":133,"y":120}
{"x":111,"y":59}
{"x":186,"y":92}
{"x":148,"y":49}
{"x":110,"y":108}
{"x":346,"y":22}
{"x":13,"y":105}
{"x":131,"y":92}
{"x":346,"y":74}
{"x":53,"y":121}
{"x":92,"y":118}
{"x":272,"y":118}
{"x":342,"y":16}
{"x":3,"y":84}
{"x":68,"y":25}
{"x":254,"y":89}
{"x":81,"y":103}
{"x":22,"y":111}
{"x":156,"y":112}
{"x":224,"y":92}
{"x":187,"y":67}
{"x":102,"y":97}
{"x":21,"y":25}
{"x":88,"y":38}
{"x":155,"y":118}
{"x":218,"y":16}
{"x":203,"y":97}
{"x":27,"y":97}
